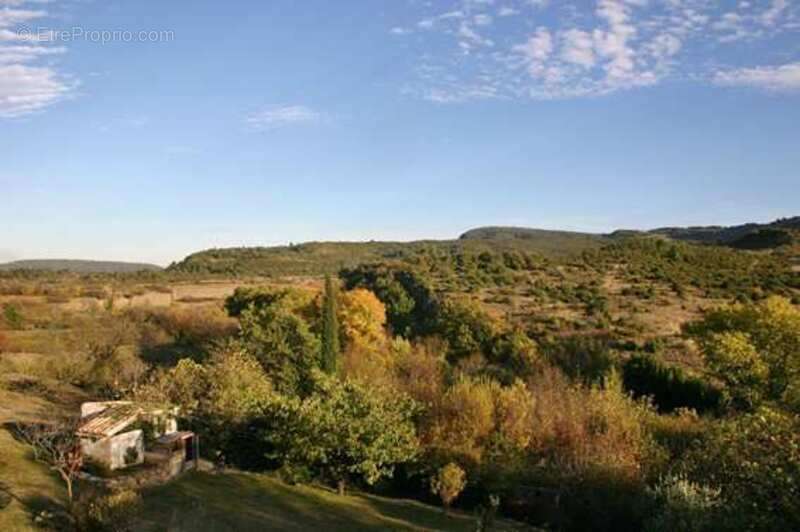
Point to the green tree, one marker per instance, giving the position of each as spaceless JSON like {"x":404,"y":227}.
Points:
{"x":283,"y":344}
{"x":331,"y":346}
{"x":343,"y":431}
{"x":754,"y":349}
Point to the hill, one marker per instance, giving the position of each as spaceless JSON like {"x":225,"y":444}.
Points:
{"x":730,"y":234}
{"x":79,"y":266}
{"x":319,"y":258}
{"x":542,"y":240}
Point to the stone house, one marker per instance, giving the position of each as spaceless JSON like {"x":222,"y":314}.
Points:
{"x":122,"y":434}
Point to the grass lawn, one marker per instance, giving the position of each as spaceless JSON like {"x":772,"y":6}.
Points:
{"x":245,"y":501}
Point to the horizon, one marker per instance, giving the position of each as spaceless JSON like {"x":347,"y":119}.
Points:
{"x":145,"y":132}
{"x":368,"y":240}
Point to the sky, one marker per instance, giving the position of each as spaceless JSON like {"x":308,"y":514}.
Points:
{"x":145,"y":130}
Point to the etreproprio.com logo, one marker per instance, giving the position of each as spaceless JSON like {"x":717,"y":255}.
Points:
{"x":104,"y":36}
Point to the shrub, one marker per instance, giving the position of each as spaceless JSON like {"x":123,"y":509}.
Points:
{"x":113,"y":513}
{"x":448,"y":482}
{"x":466,"y":328}
{"x":754,"y":348}
{"x":669,"y":387}
{"x":680,"y":504}
{"x":587,"y":359}
{"x":13,"y":316}
{"x":755,"y":460}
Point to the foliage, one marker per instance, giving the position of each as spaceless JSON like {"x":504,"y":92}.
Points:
{"x":13,"y":317}
{"x":587,"y":359}
{"x":754,"y":348}
{"x":682,"y":505}
{"x":466,"y":328}
{"x":755,"y":460}
{"x":448,"y":482}
{"x":221,"y":400}
{"x":669,"y":386}
{"x":516,"y":352}
{"x":331,"y":345}
{"x":477,"y":419}
{"x":411,"y":305}
{"x":343,"y":431}
{"x":284,"y":345}
{"x":578,"y":428}
{"x":714,"y":271}
{"x":363,"y":319}
{"x":116,"y":512}
{"x":294,"y":300}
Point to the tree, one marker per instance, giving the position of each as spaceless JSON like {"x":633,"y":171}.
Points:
{"x":58,"y":446}
{"x":734,"y":359}
{"x":448,"y":482}
{"x":363,"y":319}
{"x":331,"y":346}
{"x":754,"y":348}
{"x":343,"y":431}
{"x":283,"y":344}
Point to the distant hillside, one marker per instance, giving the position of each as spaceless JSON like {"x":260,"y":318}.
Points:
{"x":731,"y":234}
{"x":541,"y":240}
{"x":318,"y":258}
{"x":78,"y":266}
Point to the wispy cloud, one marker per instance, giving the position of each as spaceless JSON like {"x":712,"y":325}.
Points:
{"x":781,"y":78}
{"x":536,"y":49}
{"x":278,"y":116}
{"x":26,"y":84}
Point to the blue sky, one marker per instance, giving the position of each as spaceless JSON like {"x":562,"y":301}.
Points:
{"x":147,"y":130}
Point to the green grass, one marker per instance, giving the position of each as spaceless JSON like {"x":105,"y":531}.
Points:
{"x":244,"y":501}
{"x":26,"y":487}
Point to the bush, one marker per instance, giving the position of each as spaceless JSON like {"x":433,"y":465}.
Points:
{"x":680,"y":504}
{"x":669,"y":387}
{"x":448,"y":483}
{"x":587,"y":359}
{"x":754,"y":349}
{"x":755,"y":460}
{"x":13,"y":317}
{"x":112,"y":513}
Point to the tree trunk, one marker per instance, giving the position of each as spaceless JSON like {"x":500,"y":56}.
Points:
{"x":69,"y":488}
{"x":340,"y":487}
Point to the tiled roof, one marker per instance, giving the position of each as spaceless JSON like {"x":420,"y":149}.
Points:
{"x":110,"y":421}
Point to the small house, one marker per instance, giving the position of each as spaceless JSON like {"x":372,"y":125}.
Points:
{"x":121,"y":434}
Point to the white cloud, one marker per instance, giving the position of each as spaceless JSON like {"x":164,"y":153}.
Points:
{"x":26,"y":89}
{"x":277,"y":116}
{"x":783,"y":78}
{"x":576,"y":48}
{"x":482,"y":19}
{"x":26,"y":86}
{"x":771,"y":15}
{"x":538,"y":47}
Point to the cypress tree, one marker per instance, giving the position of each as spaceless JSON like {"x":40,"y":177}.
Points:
{"x":330,"y":329}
